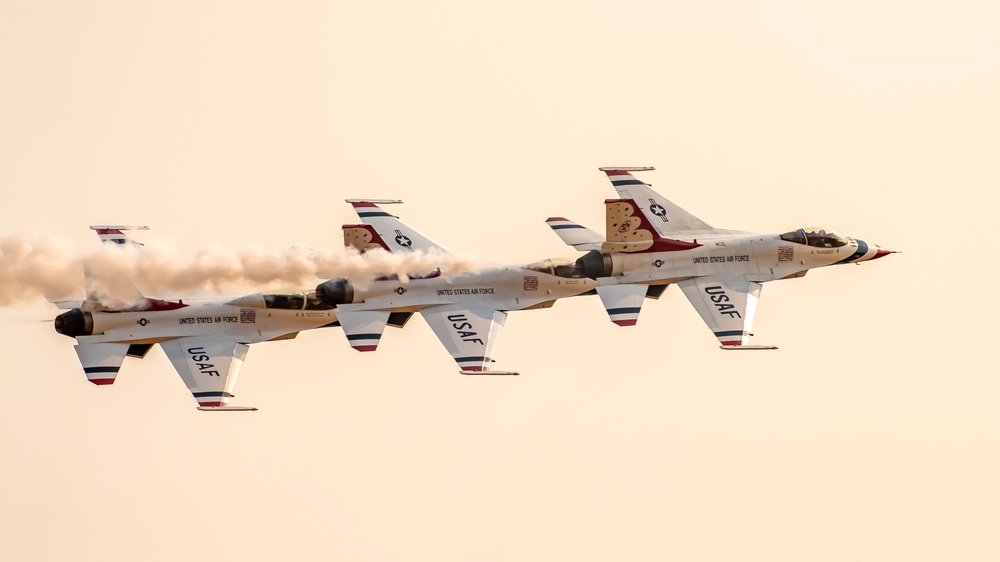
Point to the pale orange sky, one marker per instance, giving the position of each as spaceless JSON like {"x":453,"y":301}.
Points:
{"x":870,"y":435}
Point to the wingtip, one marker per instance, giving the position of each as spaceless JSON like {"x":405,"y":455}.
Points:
{"x":369,"y":202}
{"x":626,"y":168}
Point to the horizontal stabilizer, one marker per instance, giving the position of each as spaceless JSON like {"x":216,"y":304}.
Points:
{"x":362,"y":328}
{"x":575,"y":235}
{"x":101,"y":361}
{"x":623,"y":302}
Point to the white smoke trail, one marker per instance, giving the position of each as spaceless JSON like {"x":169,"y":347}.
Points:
{"x":53,"y":267}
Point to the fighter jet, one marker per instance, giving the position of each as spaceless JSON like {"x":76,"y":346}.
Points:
{"x":467,"y":312}
{"x":651,"y":243}
{"x":206,"y":340}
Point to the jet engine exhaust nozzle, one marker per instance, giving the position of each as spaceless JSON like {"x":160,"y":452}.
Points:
{"x":75,"y":323}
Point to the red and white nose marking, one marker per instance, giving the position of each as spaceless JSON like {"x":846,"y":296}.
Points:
{"x":868,"y":252}
{"x":881,"y":252}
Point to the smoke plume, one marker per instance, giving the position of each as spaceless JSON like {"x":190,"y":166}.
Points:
{"x":54,"y":268}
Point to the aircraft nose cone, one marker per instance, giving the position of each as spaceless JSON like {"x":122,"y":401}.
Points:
{"x":867,"y":252}
{"x":881,"y":252}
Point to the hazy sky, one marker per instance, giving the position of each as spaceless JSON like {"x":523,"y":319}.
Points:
{"x":870,"y":435}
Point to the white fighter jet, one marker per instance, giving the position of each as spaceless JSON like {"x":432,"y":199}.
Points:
{"x":467,"y":312}
{"x":651,"y":243}
{"x":206,"y":340}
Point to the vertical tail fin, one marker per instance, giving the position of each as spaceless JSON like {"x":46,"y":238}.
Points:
{"x":124,"y":289}
{"x":663,"y":216}
{"x":396,"y":235}
{"x":112,"y":234}
{"x":362,"y":237}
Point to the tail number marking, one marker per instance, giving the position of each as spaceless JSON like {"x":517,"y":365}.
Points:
{"x":462,"y":325}
{"x":720,"y":299}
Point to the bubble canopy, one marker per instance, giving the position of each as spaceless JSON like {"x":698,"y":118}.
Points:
{"x":815,"y":237}
{"x":558,"y":267}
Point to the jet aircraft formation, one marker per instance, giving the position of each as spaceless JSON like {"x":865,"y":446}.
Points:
{"x":649,"y":244}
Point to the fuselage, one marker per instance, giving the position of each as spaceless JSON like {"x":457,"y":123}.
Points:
{"x":505,"y":288}
{"x":755,"y":257}
{"x":249,"y":319}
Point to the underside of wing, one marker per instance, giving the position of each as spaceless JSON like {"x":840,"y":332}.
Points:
{"x":470,"y":334}
{"x":726,"y":304}
{"x":208,"y":366}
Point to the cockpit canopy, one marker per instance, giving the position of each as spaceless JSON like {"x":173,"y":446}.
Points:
{"x":297,"y":301}
{"x":558,"y":267}
{"x":815,"y":237}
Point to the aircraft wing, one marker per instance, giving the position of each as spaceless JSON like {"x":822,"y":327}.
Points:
{"x":391,"y":233}
{"x":727,"y":305}
{"x":209,"y":367}
{"x":573,"y":234}
{"x":667,"y":218}
{"x":470,"y":334}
